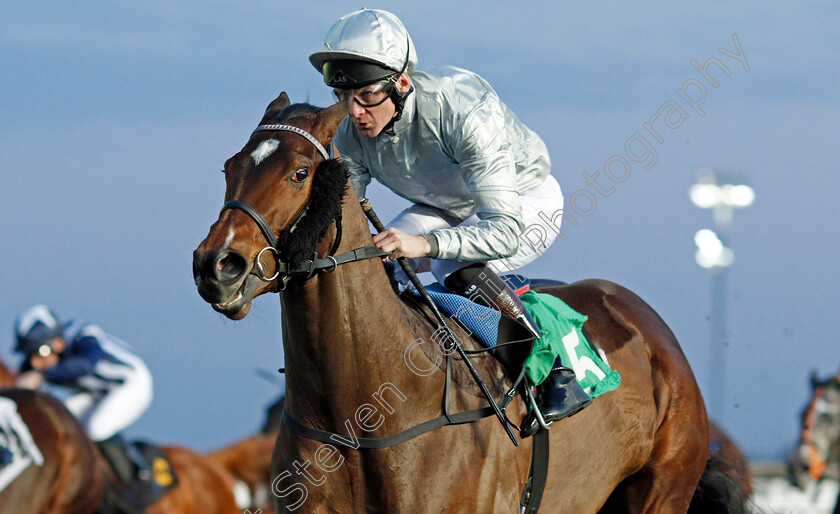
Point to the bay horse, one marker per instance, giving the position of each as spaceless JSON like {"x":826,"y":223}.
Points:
{"x":74,"y":477}
{"x":249,"y":461}
{"x":817,"y":454}
{"x":361,"y":360}
{"x":203,"y":485}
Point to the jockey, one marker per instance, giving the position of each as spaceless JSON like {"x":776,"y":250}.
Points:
{"x":111,"y":386}
{"x":477,"y":176}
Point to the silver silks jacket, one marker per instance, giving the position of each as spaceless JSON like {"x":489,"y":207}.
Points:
{"x":457,"y":147}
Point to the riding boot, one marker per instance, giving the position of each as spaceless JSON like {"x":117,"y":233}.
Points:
{"x":115,"y":451}
{"x":132,"y":469}
{"x":560,"y":396}
{"x":481,"y":284}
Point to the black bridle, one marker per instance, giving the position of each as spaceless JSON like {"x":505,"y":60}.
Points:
{"x":284,"y":269}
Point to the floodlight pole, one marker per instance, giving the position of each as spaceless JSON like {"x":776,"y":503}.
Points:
{"x":719,"y":339}
{"x":722,"y":198}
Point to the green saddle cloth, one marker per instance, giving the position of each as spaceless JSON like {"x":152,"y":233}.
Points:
{"x":564,"y":337}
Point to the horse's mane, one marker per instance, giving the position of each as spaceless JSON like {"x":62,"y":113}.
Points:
{"x":329,"y":185}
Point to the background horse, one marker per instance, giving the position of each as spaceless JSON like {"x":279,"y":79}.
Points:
{"x":361,"y":361}
{"x":76,"y":478}
{"x":203,"y":485}
{"x":7,"y":379}
{"x":817,"y":454}
{"x":73,"y":477}
{"x":249,"y":461}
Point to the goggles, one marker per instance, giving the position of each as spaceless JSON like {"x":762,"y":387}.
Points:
{"x":367,"y":96}
{"x":44,"y":350}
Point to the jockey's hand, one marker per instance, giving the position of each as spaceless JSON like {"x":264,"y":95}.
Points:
{"x":401,"y":244}
{"x":30,"y":380}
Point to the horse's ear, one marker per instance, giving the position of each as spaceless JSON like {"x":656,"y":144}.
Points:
{"x":328,"y":121}
{"x":815,"y":379}
{"x":276,"y":105}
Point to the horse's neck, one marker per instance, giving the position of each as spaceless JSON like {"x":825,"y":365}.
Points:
{"x":344,"y":332}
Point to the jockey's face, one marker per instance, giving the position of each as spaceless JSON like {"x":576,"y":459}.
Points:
{"x":370,"y":121}
{"x":48,"y":356}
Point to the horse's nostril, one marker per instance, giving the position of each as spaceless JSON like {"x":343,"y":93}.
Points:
{"x":229,"y":266}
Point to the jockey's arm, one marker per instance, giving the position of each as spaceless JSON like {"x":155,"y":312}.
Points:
{"x":87,"y":353}
{"x":482,"y":148}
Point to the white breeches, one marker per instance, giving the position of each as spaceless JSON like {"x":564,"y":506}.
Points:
{"x":117,"y":409}
{"x":542,"y":212}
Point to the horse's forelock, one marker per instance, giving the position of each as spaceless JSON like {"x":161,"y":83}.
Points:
{"x":296,"y":111}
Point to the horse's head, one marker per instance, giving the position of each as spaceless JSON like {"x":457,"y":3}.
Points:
{"x":282,"y":194}
{"x":819,"y":441}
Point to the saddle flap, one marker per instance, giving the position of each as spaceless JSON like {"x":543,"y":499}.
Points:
{"x":162,"y":472}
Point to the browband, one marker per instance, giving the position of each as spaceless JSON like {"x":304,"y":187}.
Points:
{"x":296,"y":130}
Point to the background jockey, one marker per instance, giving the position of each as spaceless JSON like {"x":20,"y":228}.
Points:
{"x":442,"y":139}
{"x":111,"y":387}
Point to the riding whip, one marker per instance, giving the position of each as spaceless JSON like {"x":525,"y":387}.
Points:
{"x":412,"y":276}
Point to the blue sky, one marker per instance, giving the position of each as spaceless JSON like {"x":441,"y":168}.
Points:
{"x":117,"y":117}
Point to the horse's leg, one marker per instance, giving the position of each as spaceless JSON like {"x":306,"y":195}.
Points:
{"x":667,"y":481}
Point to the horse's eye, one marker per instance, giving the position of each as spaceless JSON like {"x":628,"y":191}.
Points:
{"x":300,"y":175}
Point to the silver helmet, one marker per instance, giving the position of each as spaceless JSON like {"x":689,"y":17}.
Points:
{"x":363,"y":47}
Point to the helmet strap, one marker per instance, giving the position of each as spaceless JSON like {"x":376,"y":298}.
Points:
{"x":399,"y":100}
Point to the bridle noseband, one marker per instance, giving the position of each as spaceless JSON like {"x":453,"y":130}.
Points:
{"x":285,"y":270}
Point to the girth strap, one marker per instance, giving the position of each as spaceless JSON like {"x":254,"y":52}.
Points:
{"x":384,"y":442}
{"x":537,"y":475}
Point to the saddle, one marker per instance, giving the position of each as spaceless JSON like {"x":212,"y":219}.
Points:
{"x":162,"y":472}
{"x":152,"y":483}
{"x":145,"y":474}
{"x":511,"y":344}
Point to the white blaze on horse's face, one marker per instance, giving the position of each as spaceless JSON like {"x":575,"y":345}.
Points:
{"x":264,"y":149}
{"x":229,"y":238}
